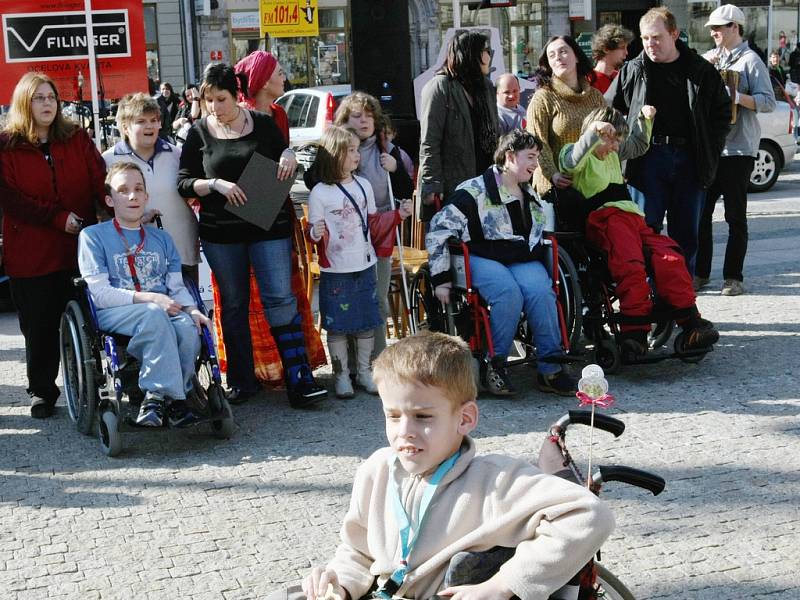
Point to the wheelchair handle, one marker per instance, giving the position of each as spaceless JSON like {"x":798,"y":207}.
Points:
{"x":584,"y":417}
{"x":648,"y":481}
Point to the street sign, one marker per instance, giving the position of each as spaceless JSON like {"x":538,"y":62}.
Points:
{"x":289,"y":18}
{"x":50,"y":37}
{"x":584,"y":40}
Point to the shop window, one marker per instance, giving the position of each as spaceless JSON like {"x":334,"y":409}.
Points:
{"x":329,"y":59}
{"x":151,"y":42}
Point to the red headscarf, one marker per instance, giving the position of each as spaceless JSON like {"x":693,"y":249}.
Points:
{"x":259,"y":67}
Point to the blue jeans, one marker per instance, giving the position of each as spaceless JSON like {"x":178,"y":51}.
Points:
{"x":668,"y":180}
{"x":271,"y":261}
{"x":167,"y":347}
{"x":511,"y":289}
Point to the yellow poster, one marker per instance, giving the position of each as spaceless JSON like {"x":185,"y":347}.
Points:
{"x":289,"y":18}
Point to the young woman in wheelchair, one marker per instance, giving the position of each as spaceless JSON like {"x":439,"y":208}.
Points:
{"x":616,"y":225}
{"x":134,"y":276}
{"x":499,"y":216}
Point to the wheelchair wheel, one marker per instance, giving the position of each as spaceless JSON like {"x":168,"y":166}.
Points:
{"x":570,"y":297}
{"x":110,"y":436}
{"x":679,"y":345}
{"x":609,"y":587}
{"x":77,"y":364}
{"x":221,"y":428}
{"x":426,"y":310}
{"x":607,"y":356}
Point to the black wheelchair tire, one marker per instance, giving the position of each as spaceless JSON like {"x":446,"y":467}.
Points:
{"x":77,"y":364}
{"x":607,"y":356}
{"x":427,"y":313}
{"x":612,"y":588}
{"x":221,"y":428}
{"x":570,"y":297}
{"x":109,"y":434}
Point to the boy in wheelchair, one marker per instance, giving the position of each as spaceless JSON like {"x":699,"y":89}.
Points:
{"x":500,"y":217}
{"x":616,"y":225}
{"x":134,"y":276}
{"x":427,"y":497}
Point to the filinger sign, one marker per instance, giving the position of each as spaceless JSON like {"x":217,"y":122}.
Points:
{"x":54,"y":41}
{"x":62,"y":36}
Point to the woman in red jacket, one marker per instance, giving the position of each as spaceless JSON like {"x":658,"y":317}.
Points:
{"x":52,"y":179}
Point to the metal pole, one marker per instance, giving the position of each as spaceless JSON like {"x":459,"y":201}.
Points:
{"x":92,"y":72}
{"x":456,"y":14}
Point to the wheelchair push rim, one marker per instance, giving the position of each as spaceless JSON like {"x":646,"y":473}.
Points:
{"x":77,"y":363}
{"x":609,"y":587}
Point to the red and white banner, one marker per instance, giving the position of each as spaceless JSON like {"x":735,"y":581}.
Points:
{"x":50,"y":36}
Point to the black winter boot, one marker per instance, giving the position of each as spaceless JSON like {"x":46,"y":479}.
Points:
{"x":303,"y":391}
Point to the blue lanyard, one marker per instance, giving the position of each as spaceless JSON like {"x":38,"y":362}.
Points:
{"x":404,"y":522}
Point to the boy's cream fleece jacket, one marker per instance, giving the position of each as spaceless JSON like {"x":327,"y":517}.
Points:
{"x":483,"y":502}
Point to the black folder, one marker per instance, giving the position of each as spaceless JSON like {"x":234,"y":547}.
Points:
{"x":266,"y":195}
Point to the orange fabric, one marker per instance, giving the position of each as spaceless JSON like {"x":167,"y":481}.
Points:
{"x":268,"y":366}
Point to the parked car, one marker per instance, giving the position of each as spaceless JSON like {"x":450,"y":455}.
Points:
{"x":777,"y":148}
{"x":310,"y":111}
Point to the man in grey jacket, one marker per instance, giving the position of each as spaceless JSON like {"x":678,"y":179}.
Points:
{"x":753,"y":94}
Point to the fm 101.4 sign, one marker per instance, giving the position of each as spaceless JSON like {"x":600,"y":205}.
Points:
{"x":51,"y":37}
{"x":289,"y":18}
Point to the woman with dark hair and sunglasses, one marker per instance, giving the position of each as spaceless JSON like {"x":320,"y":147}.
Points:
{"x":563,"y":99}
{"x":51,"y":186}
{"x":459,"y":127}
{"x":217,"y":149}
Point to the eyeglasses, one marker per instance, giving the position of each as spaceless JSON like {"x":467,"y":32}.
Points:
{"x":489,"y":50}
{"x":41,"y":98}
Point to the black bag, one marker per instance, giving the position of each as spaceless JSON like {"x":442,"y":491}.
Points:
{"x":571,"y":208}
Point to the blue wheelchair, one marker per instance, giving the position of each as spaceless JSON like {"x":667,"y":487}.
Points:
{"x":101,"y":380}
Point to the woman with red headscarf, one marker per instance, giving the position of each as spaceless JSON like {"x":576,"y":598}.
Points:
{"x":265,"y":80}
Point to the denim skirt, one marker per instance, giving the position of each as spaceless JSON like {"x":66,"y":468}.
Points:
{"x":348,"y":302}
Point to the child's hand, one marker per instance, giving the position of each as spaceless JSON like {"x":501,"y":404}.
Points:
{"x":604,"y":130}
{"x":169,"y":305}
{"x":199,"y":318}
{"x":491,"y":589}
{"x":150,"y":215}
{"x":388,"y":162}
{"x":649,"y":112}
{"x":318,"y":230}
{"x":316,"y":583}
{"x":406,"y":209}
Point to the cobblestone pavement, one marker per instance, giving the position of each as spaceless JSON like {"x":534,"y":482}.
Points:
{"x":184,"y":515}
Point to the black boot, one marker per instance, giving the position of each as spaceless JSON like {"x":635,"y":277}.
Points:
{"x":303,"y":391}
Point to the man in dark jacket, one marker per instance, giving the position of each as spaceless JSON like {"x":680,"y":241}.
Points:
{"x":692,"y":120}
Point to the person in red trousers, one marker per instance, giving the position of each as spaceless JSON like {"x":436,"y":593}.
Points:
{"x":616,"y":225}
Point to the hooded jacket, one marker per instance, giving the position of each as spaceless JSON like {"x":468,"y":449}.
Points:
{"x":710,"y":108}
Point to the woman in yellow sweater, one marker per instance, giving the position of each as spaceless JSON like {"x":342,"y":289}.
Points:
{"x":559,"y":106}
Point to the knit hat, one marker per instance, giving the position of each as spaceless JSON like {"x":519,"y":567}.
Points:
{"x":259,"y":67}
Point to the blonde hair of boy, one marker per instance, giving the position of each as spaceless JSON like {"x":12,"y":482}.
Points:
{"x":132,"y":106}
{"x":431,"y":359}
{"x":119,"y":167}
{"x":332,"y":152}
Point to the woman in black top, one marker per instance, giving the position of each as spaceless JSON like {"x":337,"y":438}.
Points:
{"x":217,"y":149}
{"x":168,"y":102}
